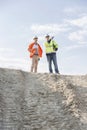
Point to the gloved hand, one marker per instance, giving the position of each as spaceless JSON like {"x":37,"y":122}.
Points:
{"x":39,"y":59}
{"x":56,"y":49}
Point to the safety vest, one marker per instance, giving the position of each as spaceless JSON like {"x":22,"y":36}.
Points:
{"x":50,"y":46}
{"x":32,"y":50}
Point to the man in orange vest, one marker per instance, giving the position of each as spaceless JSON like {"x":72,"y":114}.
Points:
{"x":35,"y":53}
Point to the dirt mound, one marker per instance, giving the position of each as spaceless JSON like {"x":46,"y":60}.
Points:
{"x":42,"y":101}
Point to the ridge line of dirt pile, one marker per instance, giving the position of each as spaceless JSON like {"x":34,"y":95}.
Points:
{"x":67,"y":90}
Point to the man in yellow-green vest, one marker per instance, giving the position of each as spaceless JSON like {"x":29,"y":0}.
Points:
{"x":51,"y":47}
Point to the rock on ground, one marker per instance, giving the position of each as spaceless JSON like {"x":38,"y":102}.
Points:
{"x":31,"y":101}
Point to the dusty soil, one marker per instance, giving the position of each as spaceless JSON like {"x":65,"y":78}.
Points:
{"x":31,"y":101}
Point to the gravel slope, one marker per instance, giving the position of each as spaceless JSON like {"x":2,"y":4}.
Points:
{"x":42,"y":101}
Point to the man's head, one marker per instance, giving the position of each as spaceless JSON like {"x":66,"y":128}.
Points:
{"x":35,"y":39}
{"x":47,"y":37}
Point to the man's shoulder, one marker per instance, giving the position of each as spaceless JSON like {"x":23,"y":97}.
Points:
{"x":32,"y":43}
{"x":53,"y":41}
{"x":46,"y":42}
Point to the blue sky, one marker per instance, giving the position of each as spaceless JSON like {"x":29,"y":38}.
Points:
{"x":21,"y":20}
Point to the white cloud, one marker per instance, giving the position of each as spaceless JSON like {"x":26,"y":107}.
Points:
{"x":70,"y":10}
{"x":15,"y":63}
{"x":78,"y":36}
{"x":79,"y":22}
{"x":6,"y":50}
{"x":74,"y":11}
{"x":78,"y":28}
{"x":8,"y":59}
{"x":73,"y":47}
{"x":49,"y":28}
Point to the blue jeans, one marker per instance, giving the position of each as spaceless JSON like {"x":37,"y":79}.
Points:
{"x":52,"y":58}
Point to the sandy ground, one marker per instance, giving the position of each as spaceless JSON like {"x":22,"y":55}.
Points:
{"x":42,"y":101}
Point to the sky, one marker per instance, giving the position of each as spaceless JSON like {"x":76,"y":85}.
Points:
{"x":66,"y":20}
